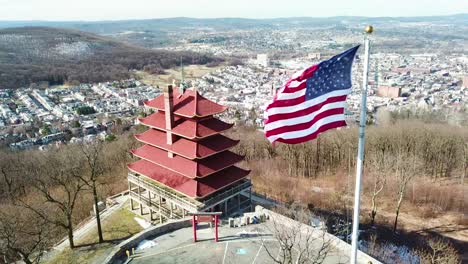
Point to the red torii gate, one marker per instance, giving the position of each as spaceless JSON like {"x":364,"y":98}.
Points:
{"x":205,"y":217}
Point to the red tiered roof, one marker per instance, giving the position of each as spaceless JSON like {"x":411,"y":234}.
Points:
{"x":193,"y":188}
{"x":186,"y":167}
{"x":184,"y":147}
{"x":201,"y":163}
{"x":187,"y":128}
{"x":190,"y":104}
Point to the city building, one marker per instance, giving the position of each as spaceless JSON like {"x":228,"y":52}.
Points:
{"x":464,"y":83}
{"x":263,"y":60}
{"x":43,"y":99}
{"x":389,"y":91}
{"x":314,"y":56}
{"x":185,"y":163}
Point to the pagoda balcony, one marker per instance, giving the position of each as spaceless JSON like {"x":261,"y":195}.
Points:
{"x":153,"y":204}
{"x":187,"y":128}
{"x":227,"y":193}
{"x":190,"y":104}
{"x":193,"y":188}
{"x":182,"y":201}
{"x":189,"y":168}
{"x":186,"y":148}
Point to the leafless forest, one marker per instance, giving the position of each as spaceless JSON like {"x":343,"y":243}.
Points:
{"x":44,"y":195}
{"x":414,"y":173}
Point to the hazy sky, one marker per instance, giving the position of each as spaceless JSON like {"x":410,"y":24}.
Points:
{"x":141,"y":9}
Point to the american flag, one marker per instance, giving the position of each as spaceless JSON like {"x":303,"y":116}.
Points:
{"x":311,"y":102}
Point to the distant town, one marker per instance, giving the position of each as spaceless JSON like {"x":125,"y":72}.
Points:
{"x":43,"y":115}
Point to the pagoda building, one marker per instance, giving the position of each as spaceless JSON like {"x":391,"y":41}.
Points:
{"x":185,"y":164}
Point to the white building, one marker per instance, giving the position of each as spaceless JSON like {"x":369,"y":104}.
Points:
{"x":263,"y":60}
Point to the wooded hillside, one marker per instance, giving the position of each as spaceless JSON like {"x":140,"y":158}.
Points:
{"x":414,"y":181}
{"x":33,"y":54}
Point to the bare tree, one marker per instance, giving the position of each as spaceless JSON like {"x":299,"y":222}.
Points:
{"x":95,"y":167}
{"x":378,"y":163}
{"x":56,"y":177}
{"x":439,"y":252}
{"x":380,"y":177}
{"x":23,"y":235}
{"x":465,"y":163}
{"x":12,"y":184}
{"x":405,"y":172}
{"x":403,"y":182}
{"x":379,"y":184}
{"x":298,"y":242}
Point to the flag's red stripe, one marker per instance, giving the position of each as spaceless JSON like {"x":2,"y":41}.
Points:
{"x":302,"y":126}
{"x":286,"y":103}
{"x":313,"y":135}
{"x":295,"y":89}
{"x":305,"y":75}
{"x":305,"y":111}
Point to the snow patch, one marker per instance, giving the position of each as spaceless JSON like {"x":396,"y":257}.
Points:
{"x":390,"y":253}
{"x":145,"y":244}
{"x":245,"y":233}
{"x":143,"y":223}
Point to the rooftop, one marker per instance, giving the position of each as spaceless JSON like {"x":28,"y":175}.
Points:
{"x":187,"y":148}
{"x":187,"y":128}
{"x":189,"y":168}
{"x":189,"y":104}
{"x":199,"y":188}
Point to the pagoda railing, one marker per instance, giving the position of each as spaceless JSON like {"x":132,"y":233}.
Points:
{"x":234,"y":190}
{"x":160,"y":209}
{"x":185,"y":203}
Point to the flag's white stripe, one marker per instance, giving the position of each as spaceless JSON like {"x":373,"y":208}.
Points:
{"x":298,"y":73}
{"x":303,"y":119}
{"x":295,"y":84}
{"x":306,"y":104}
{"x":287,"y":96}
{"x":308,"y":131}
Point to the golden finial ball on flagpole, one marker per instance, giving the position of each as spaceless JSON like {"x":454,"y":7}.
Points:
{"x":369,"y":29}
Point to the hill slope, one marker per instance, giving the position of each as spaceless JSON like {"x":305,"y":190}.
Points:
{"x":406,"y":34}
{"x":188,"y":24}
{"x":33,"y":54}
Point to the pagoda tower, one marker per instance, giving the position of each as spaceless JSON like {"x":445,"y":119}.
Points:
{"x":185,"y":164}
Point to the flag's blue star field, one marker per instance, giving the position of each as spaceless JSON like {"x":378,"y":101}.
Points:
{"x":332,"y":74}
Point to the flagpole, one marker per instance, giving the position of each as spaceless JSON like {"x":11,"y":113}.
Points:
{"x":362,"y":130}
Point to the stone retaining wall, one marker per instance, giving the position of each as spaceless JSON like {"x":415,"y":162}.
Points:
{"x":118,"y":253}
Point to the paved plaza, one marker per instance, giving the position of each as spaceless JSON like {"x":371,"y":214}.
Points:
{"x":236,"y":245}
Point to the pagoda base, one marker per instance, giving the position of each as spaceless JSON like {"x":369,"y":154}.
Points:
{"x":162,"y":203}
